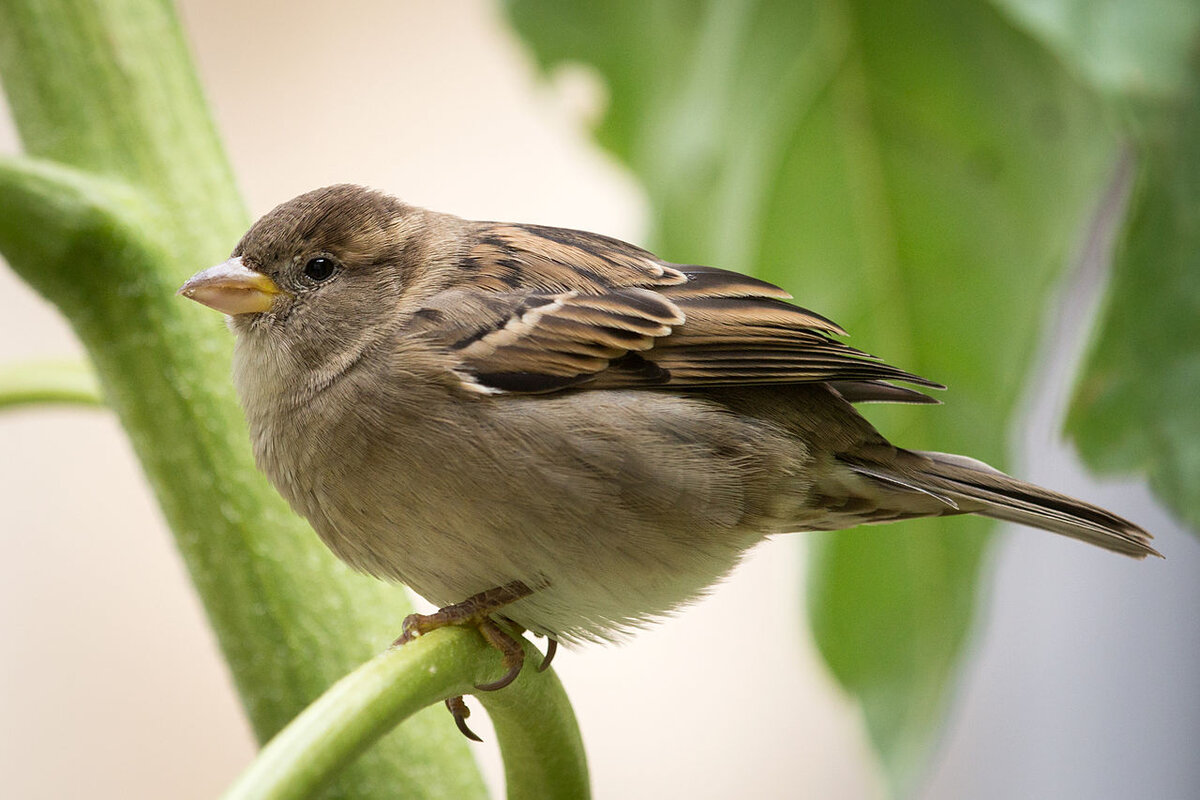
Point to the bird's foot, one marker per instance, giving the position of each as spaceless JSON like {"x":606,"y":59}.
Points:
{"x":469,"y":613}
{"x":476,"y":612}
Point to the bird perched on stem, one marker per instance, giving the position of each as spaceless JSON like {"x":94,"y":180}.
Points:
{"x":556,"y":431}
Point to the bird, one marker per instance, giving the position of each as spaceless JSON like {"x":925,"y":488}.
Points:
{"x":553,"y":431}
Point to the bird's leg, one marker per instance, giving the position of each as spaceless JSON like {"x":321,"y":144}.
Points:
{"x":476,"y":612}
{"x":470,"y":612}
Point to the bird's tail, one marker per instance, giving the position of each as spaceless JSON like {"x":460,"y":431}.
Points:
{"x":964,"y":485}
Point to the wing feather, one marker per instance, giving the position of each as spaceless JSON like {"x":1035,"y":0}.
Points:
{"x":543,"y":309}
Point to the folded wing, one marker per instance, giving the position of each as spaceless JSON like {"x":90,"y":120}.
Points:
{"x":545,"y":309}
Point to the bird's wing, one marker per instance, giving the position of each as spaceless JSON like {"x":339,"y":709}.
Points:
{"x":541,"y":309}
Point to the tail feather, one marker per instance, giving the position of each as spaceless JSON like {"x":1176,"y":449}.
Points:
{"x":942,"y":484}
{"x":1003,"y":497}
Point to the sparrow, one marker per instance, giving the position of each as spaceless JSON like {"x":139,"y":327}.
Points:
{"x":554,"y":431}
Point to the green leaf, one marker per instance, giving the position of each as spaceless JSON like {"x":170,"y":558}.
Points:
{"x":1135,"y":407}
{"x":919,"y":171}
{"x":1135,"y":48}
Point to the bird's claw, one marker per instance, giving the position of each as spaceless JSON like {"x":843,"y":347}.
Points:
{"x":551,"y":649}
{"x":514,"y":655}
{"x":460,"y":712}
{"x":414,"y":625}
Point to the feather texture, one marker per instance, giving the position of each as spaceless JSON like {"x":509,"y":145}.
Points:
{"x":552,"y":309}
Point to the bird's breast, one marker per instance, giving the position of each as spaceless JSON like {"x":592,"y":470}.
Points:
{"x":617,"y":505}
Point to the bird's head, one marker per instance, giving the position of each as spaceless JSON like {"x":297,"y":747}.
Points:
{"x":319,"y":268}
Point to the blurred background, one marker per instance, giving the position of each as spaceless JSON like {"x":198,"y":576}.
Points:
{"x":1079,"y":677}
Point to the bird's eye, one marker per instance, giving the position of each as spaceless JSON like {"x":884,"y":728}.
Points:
{"x":319,"y":269}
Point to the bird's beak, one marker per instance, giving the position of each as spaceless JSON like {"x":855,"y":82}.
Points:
{"x":232,"y":288}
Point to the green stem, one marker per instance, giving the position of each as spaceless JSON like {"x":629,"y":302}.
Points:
{"x":49,"y":382}
{"x":529,"y":717}
{"x":124,"y":192}
{"x":539,"y":739}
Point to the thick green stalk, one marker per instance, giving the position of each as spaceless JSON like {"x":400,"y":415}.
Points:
{"x":127,"y":193}
{"x":534,"y":722}
{"x":289,"y":617}
{"x":57,"y":382}
{"x":108,"y":87}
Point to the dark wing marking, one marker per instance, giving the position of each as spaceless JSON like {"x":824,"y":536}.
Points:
{"x":879,"y":392}
{"x":536,"y":342}
{"x":542,"y":309}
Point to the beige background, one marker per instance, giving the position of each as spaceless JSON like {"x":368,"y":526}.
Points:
{"x":110,"y":684}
